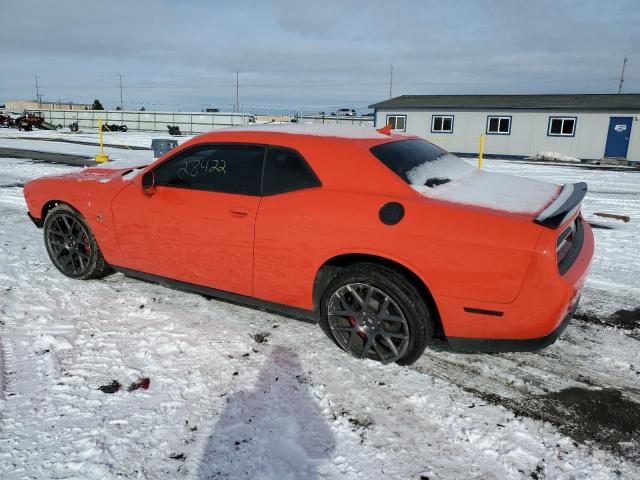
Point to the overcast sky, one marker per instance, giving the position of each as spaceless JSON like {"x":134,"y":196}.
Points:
{"x":311,"y":55}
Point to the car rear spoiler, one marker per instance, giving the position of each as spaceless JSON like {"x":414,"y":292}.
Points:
{"x":564,"y":206}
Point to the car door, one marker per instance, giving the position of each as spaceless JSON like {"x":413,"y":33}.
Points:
{"x":198,"y":224}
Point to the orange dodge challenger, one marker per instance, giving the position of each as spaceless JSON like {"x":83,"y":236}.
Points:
{"x":385,"y":239}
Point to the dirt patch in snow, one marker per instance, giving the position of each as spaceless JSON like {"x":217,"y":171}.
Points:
{"x":601,"y":417}
{"x":49,"y":157}
{"x":261,"y":337}
{"x":625,"y":319}
{"x":113,"y":387}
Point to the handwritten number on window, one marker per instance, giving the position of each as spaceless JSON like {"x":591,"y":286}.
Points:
{"x":196,"y":167}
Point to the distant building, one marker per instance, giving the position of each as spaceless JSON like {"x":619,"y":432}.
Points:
{"x":587,"y":126}
{"x":273,"y":118}
{"x":20,"y":105}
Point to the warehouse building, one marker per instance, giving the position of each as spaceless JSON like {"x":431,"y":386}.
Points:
{"x":588,"y":126}
{"x":20,"y":105}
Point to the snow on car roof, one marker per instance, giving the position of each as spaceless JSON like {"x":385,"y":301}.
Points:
{"x":320,"y":130}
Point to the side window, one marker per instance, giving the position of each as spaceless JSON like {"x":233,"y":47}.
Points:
{"x":217,"y":168}
{"x":397,"y":122}
{"x":562,"y":126}
{"x":499,"y":125}
{"x":442,"y":124}
{"x":285,"y":171}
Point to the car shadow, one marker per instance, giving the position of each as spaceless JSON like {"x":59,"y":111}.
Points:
{"x":275,"y":430}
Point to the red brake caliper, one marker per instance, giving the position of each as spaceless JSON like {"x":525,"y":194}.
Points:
{"x":352,"y":322}
{"x":85,"y":242}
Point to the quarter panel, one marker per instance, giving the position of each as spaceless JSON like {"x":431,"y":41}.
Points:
{"x":457,"y":251}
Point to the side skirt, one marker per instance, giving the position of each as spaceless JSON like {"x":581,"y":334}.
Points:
{"x":286,"y":310}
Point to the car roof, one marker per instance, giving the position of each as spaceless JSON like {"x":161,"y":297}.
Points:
{"x":335,"y":131}
{"x":325,"y":147}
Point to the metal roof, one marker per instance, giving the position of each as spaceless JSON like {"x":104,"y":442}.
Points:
{"x":606,"y":102}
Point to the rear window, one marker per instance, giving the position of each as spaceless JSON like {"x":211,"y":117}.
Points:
{"x":421,"y":163}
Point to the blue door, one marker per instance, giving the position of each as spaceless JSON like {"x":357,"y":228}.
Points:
{"x":618,"y":137}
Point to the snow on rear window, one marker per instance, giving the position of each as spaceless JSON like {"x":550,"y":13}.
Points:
{"x":446,"y":167}
{"x":435,"y":173}
{"x":419,"y":162}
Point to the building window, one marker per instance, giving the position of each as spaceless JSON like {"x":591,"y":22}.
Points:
{"x":499,"y":125}
{"x":397,"y":122}
{"x":562,"y":126}
{"x":442,"y":124}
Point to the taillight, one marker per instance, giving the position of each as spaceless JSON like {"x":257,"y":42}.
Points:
{"x":565,"y":240}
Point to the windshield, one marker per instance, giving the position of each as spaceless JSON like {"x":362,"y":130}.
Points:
{"x":421,"y":163}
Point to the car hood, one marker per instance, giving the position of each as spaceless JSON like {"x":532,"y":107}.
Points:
{"x":101,"y":174}
{"x":495,"y":191}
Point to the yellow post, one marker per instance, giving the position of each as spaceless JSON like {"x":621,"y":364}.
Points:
{"x":101,"y":157}
{"x":481,"y":151}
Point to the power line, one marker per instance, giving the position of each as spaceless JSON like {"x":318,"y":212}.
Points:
{"x":624,"y":64}
{"x":237,"y":106}
{"x":391,"y":82}
{"x":37,"y":90}
{"x":121,"y":102}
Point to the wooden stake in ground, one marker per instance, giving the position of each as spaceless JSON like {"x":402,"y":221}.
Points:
{"x":624,"y":218}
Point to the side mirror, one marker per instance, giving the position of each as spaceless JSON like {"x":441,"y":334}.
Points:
{"x":148,"y":183}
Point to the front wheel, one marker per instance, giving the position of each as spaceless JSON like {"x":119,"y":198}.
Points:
{"x":71,"y":245}
{"x":375,"y":312}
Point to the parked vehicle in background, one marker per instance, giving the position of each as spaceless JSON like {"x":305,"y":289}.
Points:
{"x":114,"y":127}
{"x":28,"y":120}
{"x":174,"y":130}
{"x":401,"y":242}
{"x":7,"y":121}
{"x":344,"y":112}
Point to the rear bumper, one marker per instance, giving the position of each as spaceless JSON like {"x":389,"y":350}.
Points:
{"x":536,"y":318}
{"x":513,"y":345}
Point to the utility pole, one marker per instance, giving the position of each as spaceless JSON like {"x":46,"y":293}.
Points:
{"x":121,"y":103}
{"x":624,"y":64}
{"x":237,"y":106}
{"x":37,"y":91}
{"x":391,"y":82}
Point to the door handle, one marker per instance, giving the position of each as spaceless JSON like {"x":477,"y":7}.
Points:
{"x":239,"y":211}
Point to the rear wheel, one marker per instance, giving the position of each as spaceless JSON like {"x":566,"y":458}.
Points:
{"x":375,"y":312}
{"x":71,"y":245}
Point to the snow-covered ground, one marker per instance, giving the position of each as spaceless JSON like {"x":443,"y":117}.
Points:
{"x":555,"y":157}
{"x":239,"y":393}
{"x":76,"y":143}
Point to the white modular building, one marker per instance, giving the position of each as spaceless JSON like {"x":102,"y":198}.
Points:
{"x":584,"y":126}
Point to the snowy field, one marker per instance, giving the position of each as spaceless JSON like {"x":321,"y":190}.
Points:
{"x":238,"y":393}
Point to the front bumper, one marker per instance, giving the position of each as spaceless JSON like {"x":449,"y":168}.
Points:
{"x":38,"y":222}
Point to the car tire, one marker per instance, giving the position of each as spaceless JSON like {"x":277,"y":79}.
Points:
{"x":71,"y":245}
{"x":354,"y":316}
